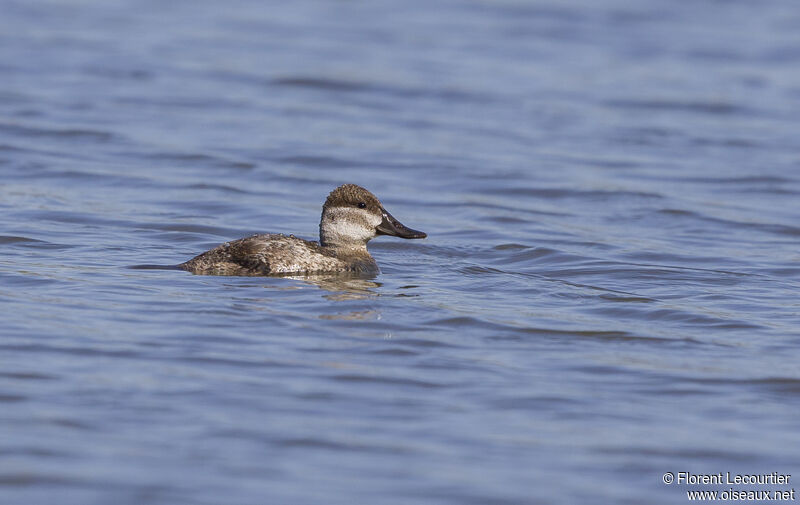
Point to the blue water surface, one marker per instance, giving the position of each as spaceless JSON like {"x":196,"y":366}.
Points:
{"x":608,"y":291}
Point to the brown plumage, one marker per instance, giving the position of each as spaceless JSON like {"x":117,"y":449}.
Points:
{"x":351,"y":217}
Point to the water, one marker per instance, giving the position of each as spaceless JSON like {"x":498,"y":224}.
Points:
{"x":609,"y":290}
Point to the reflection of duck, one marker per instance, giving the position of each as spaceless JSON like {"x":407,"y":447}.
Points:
{"x":351,"y":217}
{"x":343,"y":286}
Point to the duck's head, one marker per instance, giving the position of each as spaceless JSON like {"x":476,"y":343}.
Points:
{"x":352,"y":216}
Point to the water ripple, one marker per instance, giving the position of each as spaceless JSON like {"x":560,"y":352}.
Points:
{"x":609,"y":281}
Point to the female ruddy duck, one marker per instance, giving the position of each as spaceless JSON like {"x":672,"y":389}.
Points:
{"x":351,"y":217}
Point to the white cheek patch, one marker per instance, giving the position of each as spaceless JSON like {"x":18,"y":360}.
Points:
{"x":374,"y":220}
{"x":348,"y":225}
{"x":350,"y":231}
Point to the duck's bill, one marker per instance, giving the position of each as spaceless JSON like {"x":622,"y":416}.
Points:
{"x":391,"y":226}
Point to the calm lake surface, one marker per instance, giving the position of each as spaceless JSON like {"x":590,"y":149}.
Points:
{"x":608,"y":291}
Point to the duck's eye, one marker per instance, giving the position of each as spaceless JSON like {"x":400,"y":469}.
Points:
{"x":362,"y":205}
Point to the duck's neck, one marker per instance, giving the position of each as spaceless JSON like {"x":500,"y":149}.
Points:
{"x":339,"y":246}
{"x":341,"y":234}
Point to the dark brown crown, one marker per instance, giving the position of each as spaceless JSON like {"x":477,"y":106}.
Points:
{"x":351,"y":195}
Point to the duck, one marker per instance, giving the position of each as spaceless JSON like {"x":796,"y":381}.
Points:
{"x":351,"y":217}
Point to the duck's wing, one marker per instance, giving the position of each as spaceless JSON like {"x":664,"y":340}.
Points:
{"x":282,"y":254}
{"x":237,"y":257}
{"x":267,"y":254}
